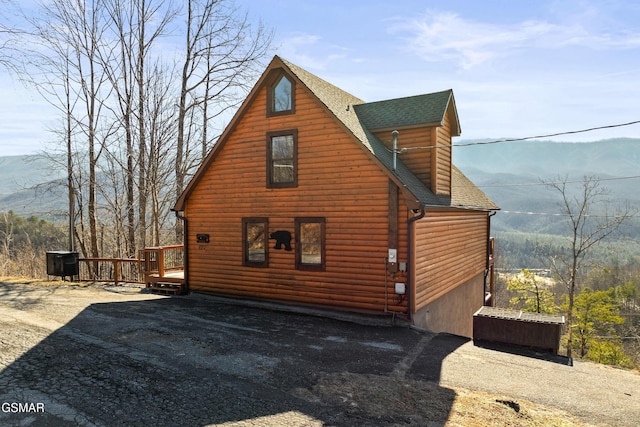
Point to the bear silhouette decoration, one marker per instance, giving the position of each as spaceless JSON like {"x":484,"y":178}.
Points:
{"x":282,"y":237}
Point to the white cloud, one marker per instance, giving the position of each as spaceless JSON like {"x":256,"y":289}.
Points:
{"x":310,"y":51}
{"x":438,"y":36}
{"x":318,"y":54}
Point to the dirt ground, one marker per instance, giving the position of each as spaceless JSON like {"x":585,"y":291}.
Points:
{"x":94,"y":355}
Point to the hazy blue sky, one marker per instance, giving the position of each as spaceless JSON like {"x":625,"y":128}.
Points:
{"x":517,"y":68}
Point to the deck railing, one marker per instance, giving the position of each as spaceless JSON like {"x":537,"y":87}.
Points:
{"x":116,"y":270}
{"x":162,"y":259}
{"x":156,"y":260}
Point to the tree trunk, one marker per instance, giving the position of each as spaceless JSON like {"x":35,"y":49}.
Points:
{"x":142,"y":148}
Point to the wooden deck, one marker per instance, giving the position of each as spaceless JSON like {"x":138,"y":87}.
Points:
{"x":164,"y":269}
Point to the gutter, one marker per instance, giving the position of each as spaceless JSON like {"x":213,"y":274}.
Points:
{"x":410,"y":267}
{"x":488,"y":265}
{"x":180,"y":215}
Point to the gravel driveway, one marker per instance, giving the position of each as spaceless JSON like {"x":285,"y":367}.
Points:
{"x":95,"y":356}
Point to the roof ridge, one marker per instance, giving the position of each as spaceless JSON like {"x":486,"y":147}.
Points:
{"x":338,"y":101}
{"x":401,"y":98}
{"x":301,"y":72}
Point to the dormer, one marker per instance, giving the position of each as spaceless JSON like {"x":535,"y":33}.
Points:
{"x":281,"y":94}
{"x":425,"y":125}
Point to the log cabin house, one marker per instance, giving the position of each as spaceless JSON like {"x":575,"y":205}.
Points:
{"x":305,"y":200}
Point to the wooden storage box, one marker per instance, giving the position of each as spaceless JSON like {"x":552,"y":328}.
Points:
{"x":533,"y":330}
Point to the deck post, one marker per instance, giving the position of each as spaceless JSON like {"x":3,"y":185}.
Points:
{"x":116,"y":272}
{"x":161,"y":262}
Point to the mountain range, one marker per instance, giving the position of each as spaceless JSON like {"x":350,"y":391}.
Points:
{"x":511,"y":173}
{"x":30,"y":185}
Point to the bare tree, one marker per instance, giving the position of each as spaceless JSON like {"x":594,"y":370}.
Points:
{"x":222,"y":53}
{"x":47,"y":66}
{"x":588,"y":226}
{"x":161,"y":14}
{"x":133,"y":127}
{"x":68,"y":137}
{"x":64,"y":65}
{"x":137,"y":25}
{"x":11,"y":36}
{"x":162,"y":135}
{"x":6,"y":238}
{"x":86,"y":39}
{"x":119,"y":70}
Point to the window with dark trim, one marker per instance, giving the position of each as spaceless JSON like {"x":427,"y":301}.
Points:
{"x":281,"y":96}
{"x":282,"y":158}
{"x":255,"y":242}
{"x":310,"y":244}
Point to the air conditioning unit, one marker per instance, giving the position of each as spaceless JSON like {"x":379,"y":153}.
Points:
{"x":62,"y":263}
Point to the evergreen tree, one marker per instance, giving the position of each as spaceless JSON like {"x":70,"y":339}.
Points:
{"x":531,"y":293}
{"x":595,"y":315}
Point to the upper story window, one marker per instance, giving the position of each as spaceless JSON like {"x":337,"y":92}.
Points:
{"x":281,"y":97}
{"x":282,"y":163}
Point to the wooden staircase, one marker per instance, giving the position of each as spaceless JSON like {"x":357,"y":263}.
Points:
{"x":160,"y":277}
{"x":167,"y":288}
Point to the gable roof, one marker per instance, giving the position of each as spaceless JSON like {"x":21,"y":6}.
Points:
{"x":359,"y":119}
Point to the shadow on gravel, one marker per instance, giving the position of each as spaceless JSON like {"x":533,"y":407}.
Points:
{"x":525,"y":352}
{"x":17,"y":298}
{"x":428,"y":365}
{"x":193,"y":361}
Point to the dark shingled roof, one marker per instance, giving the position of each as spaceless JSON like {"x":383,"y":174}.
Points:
{"x":419,"y":110}
{"x":361,"y":118}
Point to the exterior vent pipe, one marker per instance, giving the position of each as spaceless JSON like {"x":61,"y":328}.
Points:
{"x":395,"y":148}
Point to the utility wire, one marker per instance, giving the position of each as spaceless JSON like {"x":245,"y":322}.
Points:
{"x":559,"y":214}
{"x":499,"y":141}
{"x":549,"y":135}
{"x":529,"y":184}
{"x":533,"y":213}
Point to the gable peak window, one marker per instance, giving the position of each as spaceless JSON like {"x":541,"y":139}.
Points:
{"x":281,"y":96}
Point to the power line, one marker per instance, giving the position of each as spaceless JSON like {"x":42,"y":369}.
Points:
{"x":533,"y":213}
{"x":558,"y":214}
{"x":572,"y":132}
{"x":499,"y":141}
{"x":529,"y":184}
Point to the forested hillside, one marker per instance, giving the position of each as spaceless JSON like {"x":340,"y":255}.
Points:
{"x":512,"y":173}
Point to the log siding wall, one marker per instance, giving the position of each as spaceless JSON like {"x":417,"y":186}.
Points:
{"x":418,"y":161}
{"x":450,"y":249}
{"x":336,"y":181}
{"x":443,"y":162}
{"x":431,"y":165}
